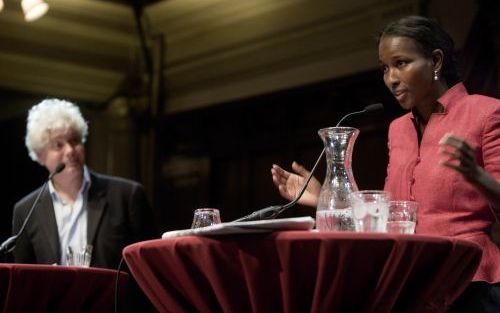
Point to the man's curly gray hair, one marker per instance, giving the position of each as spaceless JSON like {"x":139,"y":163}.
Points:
{"x":50,"y":115}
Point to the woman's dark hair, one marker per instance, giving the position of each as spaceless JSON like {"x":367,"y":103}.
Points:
{"x":428,"y":36}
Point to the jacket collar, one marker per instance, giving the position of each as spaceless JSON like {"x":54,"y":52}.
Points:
{"x":453,"y":95}
{"x":450,"y":97}
{"x":48,"y":224}
{"x":96,"y":204}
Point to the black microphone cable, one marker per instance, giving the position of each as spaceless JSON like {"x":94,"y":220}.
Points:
{"x":273,"y":211}
{"x":367,"y":109}
{"x":117,"y":284}
{"x":10,"y":244}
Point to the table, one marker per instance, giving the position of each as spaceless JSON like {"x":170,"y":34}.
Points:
{"x":303,"y":271}
{"x":57,"y":289}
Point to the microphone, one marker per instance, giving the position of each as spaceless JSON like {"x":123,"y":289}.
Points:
{"x":275,"y":210}
{"x":368,"y":109}
{"x":59,"y":168}
{"x":10,"y":244}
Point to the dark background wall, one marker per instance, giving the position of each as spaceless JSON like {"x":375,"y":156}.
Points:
{"x":228,"y":150}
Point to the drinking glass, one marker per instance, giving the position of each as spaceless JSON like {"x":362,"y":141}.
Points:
{"x":80,"y":257}
{"x":205,"y":217}
{"x":370,"y":209}
{"x":402,"y":217}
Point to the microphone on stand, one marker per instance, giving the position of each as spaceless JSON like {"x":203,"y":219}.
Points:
{"x":275,"y":210}
{"x":10,"y":244}
{"x":368,"y":109}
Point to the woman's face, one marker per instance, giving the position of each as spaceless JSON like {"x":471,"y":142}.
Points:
{"x":407,"y":72}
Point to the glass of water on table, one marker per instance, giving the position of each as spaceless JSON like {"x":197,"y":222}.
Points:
{"x":402,"y":217}
{"x":370,"y":210}
{"x":205,"y":217}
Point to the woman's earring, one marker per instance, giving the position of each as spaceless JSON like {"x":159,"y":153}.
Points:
{"x":436,"y":77}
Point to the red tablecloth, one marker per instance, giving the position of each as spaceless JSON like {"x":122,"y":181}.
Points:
{"x":57,"y":289}
{"x":300,"y":271}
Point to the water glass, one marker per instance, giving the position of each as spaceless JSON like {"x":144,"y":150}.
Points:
{"x":402,"y":217}
{"x":205,"y":217}
{"x":82,"y":257}
{"x":370,"y":210}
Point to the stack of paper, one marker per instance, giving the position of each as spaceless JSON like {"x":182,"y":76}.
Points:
{"x":294,"y":223}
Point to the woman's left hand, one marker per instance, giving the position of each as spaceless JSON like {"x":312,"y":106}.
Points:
{"x":459,"y":156}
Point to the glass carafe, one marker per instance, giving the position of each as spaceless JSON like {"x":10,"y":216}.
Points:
{"x":333,"y":212}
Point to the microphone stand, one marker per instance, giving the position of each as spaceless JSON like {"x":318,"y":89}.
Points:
{"x":10,"y":244}
{"x":275,"y":210}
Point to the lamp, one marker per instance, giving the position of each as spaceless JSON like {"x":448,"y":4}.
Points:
{"x":33,"y":9}
{"x":1,"y":5}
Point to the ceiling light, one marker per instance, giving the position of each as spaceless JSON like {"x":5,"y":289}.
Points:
{"x":34,"y":9}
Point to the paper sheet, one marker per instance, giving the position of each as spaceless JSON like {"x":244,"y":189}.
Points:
{"x":294,"y":223}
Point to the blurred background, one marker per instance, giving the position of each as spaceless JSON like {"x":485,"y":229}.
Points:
{"x":196,"y":99}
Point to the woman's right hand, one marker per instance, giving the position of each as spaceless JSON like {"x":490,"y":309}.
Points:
{"x":290,"y":184}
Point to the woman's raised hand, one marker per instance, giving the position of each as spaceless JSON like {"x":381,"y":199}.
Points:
{"x":460,"y":156}
{"x":289,"y":184}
